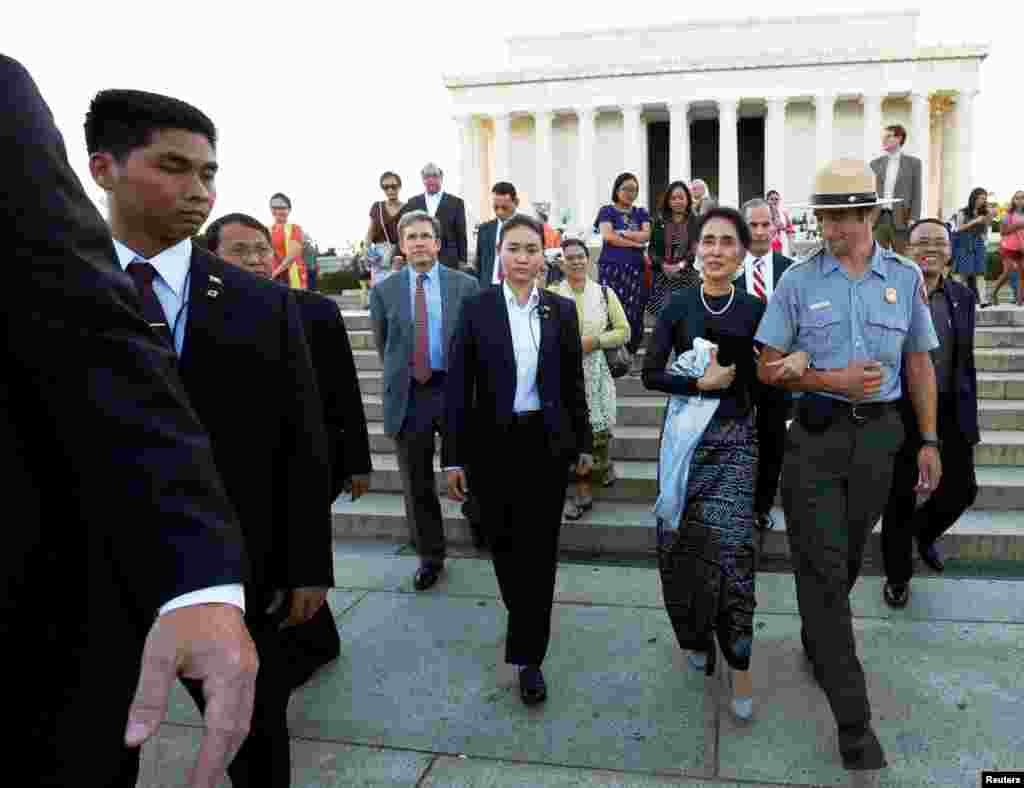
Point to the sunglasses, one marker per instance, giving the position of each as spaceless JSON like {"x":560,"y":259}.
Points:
{"x":389,"y":186}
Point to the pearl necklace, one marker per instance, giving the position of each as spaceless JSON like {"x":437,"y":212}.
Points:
{"x":724,"y":309}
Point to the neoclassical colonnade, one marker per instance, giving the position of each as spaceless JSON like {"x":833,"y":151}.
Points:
{"x":923,"y":116}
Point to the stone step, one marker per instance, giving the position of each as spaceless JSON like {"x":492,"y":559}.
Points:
{"x":999,"y":337}
{"x":999,"y":359}
{"x":627,"y":529}
{"x":649,"y":412}
{"x":1000,"y":385}
{"x":1000,"y":488}
{"x":1000,"y":316}
{"x":998,"y":447}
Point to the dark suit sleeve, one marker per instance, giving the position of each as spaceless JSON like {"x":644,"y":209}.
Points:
{"x":345,"y":415}
{"x":460,"y":230}
{"x":574,"y":388}
{"x":459,"y":388}
{"x":478,"y":273}
{"x":111,"y":422}
{"x":304,"y":521}
{"x":915,"y":191}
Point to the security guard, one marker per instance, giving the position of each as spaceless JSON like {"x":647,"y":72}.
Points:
{"x":858,"y":311}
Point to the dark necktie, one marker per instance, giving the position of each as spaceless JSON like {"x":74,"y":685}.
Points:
{"x":142,"y":273}
{"x":421,"y":355}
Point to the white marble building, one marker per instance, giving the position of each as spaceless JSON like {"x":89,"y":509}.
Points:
{"x":748,"y":105}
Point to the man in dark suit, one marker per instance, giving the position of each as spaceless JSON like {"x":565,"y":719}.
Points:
{"x":760,"y":275}
{"x":897,"y":176}
{"x":506,"y":203}
{"x":448,"y":210}
{"x":414,"y":314}
{"x":515,"y":385}
{"x":245,"y":364}
{"x":952,"y":307}
{"x":245,"y":242}
{"x":112,"y":489}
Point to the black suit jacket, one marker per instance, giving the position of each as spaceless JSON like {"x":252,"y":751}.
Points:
{"x":119,"y":507}
{"x":481,"y":385}
{"x":451,"y":214}
{"x":247,"y":369}
{"x":771,"y":397}
{"x":779,"y":265}
{"x":348,"y":442}
{"x":486,"y":243}
{"x":965,"y":376}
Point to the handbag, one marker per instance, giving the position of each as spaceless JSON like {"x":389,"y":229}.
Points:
{"x":619,"y":359}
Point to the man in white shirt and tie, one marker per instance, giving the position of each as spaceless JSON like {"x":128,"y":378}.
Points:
{"x":762,"y":270}
{"x":897,"y":176}
{"x":448,"y":210}
{"x":488,"y":262}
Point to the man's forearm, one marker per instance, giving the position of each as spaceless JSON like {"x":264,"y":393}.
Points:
{"x":813,"y":380}
{"x":921,"y":382}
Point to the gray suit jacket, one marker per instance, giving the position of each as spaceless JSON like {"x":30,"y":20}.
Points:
{"x":394,"y":328}
{"x":908,"y":187}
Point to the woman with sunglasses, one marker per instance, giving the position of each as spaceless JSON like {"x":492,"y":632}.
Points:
{"x":382,"y":236}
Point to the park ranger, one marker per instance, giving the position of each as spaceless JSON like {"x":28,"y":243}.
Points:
{"x":858,"y":311}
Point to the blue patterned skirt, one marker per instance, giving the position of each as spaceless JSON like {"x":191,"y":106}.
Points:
{"x":626,"y":278}
{"x":707,"y":567}
{"x":969,"y":256}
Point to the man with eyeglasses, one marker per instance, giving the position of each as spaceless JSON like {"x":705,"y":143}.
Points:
{"x":952,"y":307}
{"x":244,"y":241}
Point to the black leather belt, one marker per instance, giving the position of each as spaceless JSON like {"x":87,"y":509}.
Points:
{"x":817,"y":413}
{"x":528,"y":418}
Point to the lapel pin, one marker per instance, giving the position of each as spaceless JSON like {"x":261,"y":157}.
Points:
{"x":890,"y":295}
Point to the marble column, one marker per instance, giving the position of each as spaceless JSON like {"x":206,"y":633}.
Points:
{"x":502,"y":133}
{"x":679,"y":142}
{"x":824,"y":123}
{"x":465,"y":184}
{"x":544,"y":189}
{"x":965,"y":143}
{"x":728,"y":153}
{"x":872,"y":126}
{"x":775,"y":146}
{"x":921,"y":146}
{"x":585,"y":133}
{"x":632,"y":150}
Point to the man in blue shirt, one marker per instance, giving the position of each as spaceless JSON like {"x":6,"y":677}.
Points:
{"x":414,"y":317}
{"x":860,"y":313}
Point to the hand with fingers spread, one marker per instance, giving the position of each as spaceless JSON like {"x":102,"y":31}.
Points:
{"x":716,"y":377}
{"x":211,"y":644}
{"x":305,"y":602}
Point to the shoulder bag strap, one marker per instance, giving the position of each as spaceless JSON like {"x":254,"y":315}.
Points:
{"x":380,"y":212}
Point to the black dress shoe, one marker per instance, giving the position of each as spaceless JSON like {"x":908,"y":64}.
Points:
{"x":896,"y":594}
{"x":764,"y":522}
{"x":532,"y":688}
{"x":930,"y":555}
{"x":860,"y":750}
{"x":426,"y":576}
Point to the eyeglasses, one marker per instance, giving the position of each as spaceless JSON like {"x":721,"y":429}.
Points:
{"x":628,"y":188}
{"x":389,"y":186}
{"x":242,"y":251}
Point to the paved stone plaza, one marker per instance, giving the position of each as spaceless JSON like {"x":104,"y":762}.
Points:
{"x":421,"y":696}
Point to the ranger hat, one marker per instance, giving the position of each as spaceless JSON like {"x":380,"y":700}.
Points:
{"x":845,"y":183}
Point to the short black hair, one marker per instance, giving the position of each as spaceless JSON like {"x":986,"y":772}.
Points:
{"x":387,"y":174}
{"x":213,"y":232}
{"x":506,"y":188}
{"x":928,"y":220}
{"x":729,"y":215}
{"x":623,"y":177}
{"x":521,"y":220}
{"x":771,"y":192}
{"x":666,"y":208}
{"x":567,"y":242}
{"x":281,"y":196}
{"x":899,"y":131}
{"x":972,"y":201}
{"x":120,"y":121}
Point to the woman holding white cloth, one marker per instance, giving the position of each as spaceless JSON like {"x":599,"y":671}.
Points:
{"x":706,"y":555}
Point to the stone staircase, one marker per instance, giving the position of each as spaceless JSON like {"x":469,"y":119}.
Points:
{"x":620,"y":523}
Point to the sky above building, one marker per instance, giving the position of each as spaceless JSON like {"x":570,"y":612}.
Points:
{"x":317,"y":99}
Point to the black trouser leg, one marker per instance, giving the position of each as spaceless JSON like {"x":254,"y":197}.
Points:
{"x":899,"y":520}
{"x":958,"y":487}
{"x":264,"y":760}
{"x":415,"y":448}
{"x":310,"y":646}
{"x":524,"y":533}
{"x":771,"y":436}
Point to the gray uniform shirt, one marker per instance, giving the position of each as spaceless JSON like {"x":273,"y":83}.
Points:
{"x":838,"y":320}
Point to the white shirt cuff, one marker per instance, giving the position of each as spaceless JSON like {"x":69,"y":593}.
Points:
{"x":452,"y":468}
{"x":230,"y":594}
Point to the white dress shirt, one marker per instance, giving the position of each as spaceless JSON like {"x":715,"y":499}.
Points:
{"x":892,"y":170}
{"x":433,"y":200}
{"x":495,"y":274}
{"x":766,"y":271}
{"x":525,"y":324}
{"x":170,"y":286}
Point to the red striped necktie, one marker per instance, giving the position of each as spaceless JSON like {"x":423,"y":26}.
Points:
{"x":759,"y":289}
